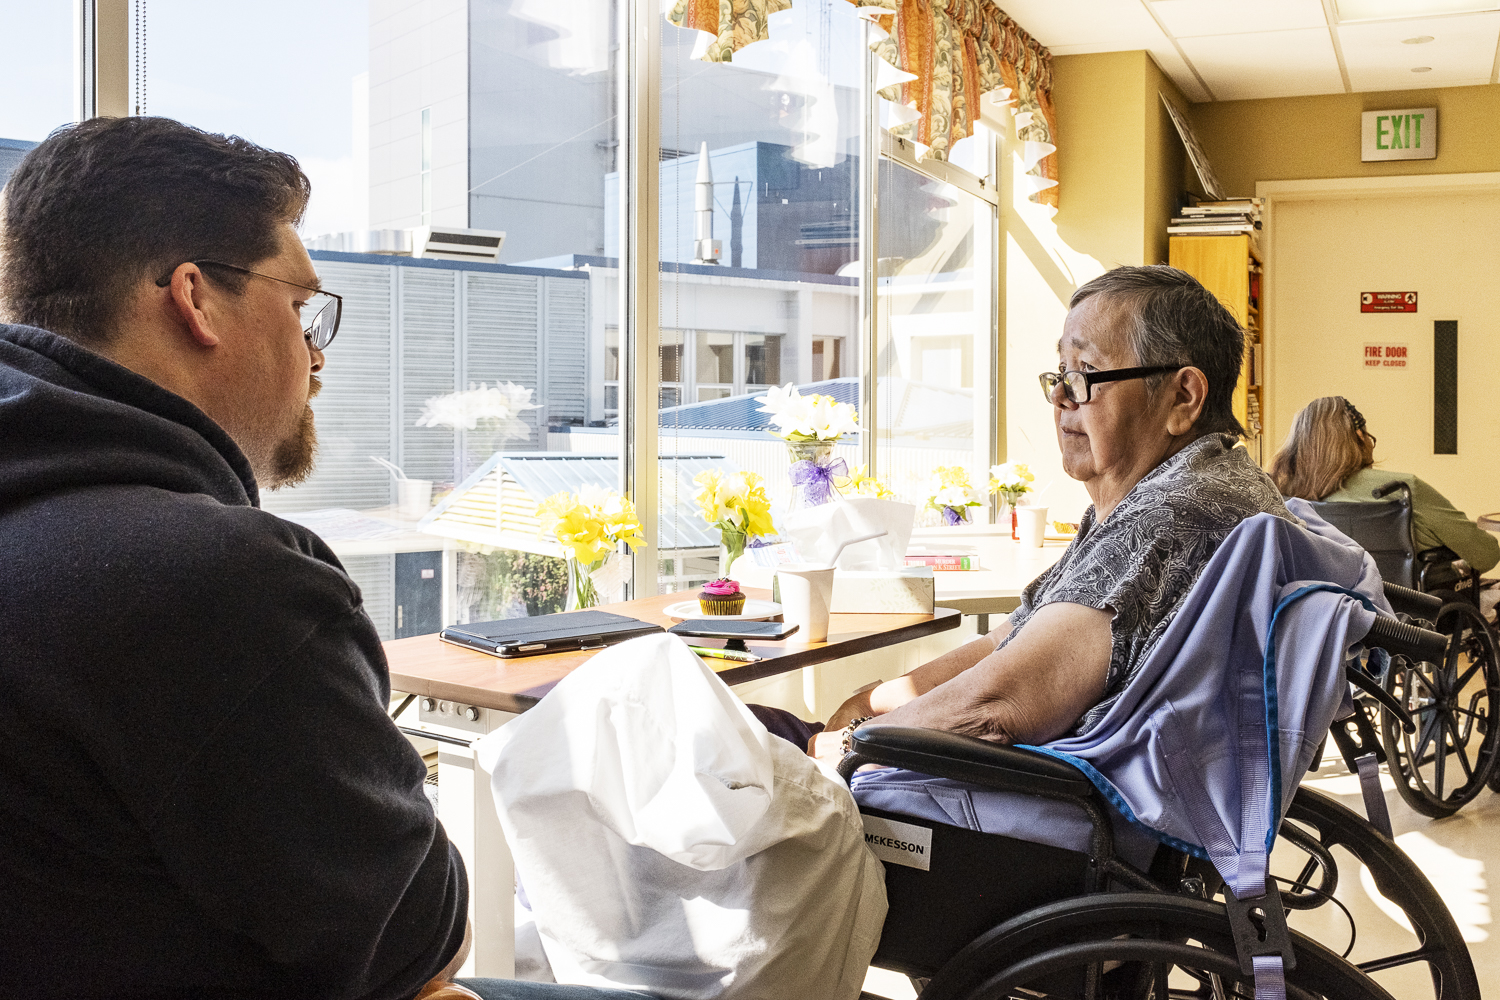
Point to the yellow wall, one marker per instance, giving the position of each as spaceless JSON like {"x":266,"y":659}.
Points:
{"x":1293,"y":138}
{"x":1120,"y":171}
{"x":1119,"y":160}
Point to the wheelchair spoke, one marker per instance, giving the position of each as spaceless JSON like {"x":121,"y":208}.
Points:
{"x":1440,"y":761}
{"x":1458,"y":752}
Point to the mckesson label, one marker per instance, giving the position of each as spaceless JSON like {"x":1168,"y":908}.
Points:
{"x":899,"y":843}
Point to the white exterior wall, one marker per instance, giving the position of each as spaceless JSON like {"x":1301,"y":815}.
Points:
{"x":419,"y":58}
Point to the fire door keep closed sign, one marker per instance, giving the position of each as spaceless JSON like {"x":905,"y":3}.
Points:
{"x":1385,"y":355}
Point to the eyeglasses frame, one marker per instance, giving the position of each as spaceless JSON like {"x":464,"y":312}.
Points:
{"x":1051,"y":380}
{"x":337,"y":303}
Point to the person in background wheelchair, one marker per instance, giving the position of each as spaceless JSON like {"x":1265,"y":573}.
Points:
{"x":1329,"y":456}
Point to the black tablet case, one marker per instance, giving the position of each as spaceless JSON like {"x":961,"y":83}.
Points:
{"x":575,"y":630}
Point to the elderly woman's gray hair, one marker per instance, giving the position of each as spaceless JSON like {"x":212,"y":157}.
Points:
{"x":1174,"y":320}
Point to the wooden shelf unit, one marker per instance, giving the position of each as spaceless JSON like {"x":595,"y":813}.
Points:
{"x":1230,"y":267}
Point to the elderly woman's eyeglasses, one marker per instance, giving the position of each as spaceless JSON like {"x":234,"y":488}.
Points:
{"x":325,"y":318}
{"x":1079,"y":386}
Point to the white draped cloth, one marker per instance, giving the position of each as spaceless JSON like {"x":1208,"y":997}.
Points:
{"x":667,"y":843}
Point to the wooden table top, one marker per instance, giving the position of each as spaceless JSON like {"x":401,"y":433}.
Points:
{"x":425,"y":665}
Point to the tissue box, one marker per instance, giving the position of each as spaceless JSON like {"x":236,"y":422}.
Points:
{"x":906,"y":591}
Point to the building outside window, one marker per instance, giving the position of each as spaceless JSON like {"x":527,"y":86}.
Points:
{"x":462,"y":391}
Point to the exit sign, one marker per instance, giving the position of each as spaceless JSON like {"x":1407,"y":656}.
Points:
{"x":1408,"y":134}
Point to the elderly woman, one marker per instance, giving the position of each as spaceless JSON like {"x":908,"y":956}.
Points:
{"x":1329,"y":455}
{"x":1141,"y":401}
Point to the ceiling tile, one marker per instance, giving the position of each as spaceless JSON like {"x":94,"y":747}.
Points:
{"x":1266,"y":64}
{"x":1461,"y":54}
{"x":1113,"y":25}
{"x":1185,"y":18}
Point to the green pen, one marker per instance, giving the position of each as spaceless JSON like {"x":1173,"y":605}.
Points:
{"x":725,"y":654}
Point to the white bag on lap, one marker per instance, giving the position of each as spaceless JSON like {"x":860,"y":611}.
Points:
{"x":667,"y":843}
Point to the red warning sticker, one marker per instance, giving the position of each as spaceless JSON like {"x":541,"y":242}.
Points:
{"x":1387,"y":302}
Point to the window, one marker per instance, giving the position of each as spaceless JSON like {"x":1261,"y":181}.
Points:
{"x":461,"y":392}
{"x":767,"y":278}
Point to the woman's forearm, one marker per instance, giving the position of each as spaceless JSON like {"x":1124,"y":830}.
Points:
{"x":894,"y":693}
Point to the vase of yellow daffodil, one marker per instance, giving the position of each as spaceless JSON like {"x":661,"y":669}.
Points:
{"x":736,"y":504}
{"x":1011,"y":481}
{"x":951,"y":494}
{"x":810,"y":426}
{"x":590,"y":527}
{"x":861,"y":484}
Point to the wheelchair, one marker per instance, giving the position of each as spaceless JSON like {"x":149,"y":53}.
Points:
{"x":1056,"y":923}
{"x":1443,"y":762}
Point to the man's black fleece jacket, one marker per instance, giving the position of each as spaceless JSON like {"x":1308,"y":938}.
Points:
{"x":201,"y":794}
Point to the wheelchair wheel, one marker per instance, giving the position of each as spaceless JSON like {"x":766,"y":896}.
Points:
{"x":1130,"y":946}
{"x":1449,"y":758}
{"x":1327,"y":824}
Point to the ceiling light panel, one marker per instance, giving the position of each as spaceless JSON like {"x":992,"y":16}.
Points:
{"x":1461,"y":54}
{"x":1266,"y":64}
{"x":1185,"y":18}
{"x":1385,"y":10}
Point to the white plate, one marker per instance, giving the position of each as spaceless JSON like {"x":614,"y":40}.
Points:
{"x":755,"y":611}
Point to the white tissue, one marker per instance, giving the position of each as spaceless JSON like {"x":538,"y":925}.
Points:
{"x":818,"y":531}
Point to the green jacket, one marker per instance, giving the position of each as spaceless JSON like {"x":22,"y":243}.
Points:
{"x":1434,"y":521}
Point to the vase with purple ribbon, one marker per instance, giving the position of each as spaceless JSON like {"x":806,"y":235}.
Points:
{"x":814,"y":469}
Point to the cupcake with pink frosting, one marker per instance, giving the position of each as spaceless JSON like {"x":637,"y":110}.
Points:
{"x":721,"y":597}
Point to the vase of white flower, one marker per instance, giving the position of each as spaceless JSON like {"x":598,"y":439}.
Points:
{"x":811,"y":426}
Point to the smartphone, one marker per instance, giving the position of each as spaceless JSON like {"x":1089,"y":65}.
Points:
{"x":707,"y":628}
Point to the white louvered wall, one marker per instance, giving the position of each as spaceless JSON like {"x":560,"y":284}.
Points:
{"x":354,"y":409}
{"x":565,"y":349}
{"x":503,"y":343}
{"x":428,"y":339}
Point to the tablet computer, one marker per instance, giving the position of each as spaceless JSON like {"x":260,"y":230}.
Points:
{"x":575,"y":630}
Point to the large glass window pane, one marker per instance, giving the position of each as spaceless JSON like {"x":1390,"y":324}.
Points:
{"x":936,"y":331}
{"x":488,"y":385}
{"x":768,"y":279}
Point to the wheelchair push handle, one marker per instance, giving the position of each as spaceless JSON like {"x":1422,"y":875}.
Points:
{"x":1401,"y":639}
{"x":1413,"y":603}
{"x":1381,"y":492}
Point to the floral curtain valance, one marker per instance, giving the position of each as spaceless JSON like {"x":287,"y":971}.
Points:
{"x":733,"y":23}
{"x":954,"y":51}
{"x":957,"y":51}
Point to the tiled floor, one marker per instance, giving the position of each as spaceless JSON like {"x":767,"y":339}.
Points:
{"x":1457,"y":854}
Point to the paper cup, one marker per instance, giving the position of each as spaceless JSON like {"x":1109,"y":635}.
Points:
{"x":1031,"y":526}
{"x":806,"y":593}
{"x":414,"y":496}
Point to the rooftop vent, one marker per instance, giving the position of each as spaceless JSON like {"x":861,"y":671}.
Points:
{"x":446,"y":243}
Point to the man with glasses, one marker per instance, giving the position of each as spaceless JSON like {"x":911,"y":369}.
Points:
{"x":201,"y":793}
{"x":1141,"y":400}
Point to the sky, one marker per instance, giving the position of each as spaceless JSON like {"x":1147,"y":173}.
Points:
{"x":277,"y":72}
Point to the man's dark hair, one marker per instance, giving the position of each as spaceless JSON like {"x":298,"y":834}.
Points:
{"x":99,"y":206}
{"x":1174,"y":320}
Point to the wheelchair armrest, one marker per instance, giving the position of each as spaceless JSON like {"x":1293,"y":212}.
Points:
{"x":965,"y":758}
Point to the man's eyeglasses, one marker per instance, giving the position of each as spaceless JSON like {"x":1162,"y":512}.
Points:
{"x":1079,"y":386}
{"x":325,"y":322}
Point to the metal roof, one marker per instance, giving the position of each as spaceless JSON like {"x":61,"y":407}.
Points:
{"x":496,"y":505}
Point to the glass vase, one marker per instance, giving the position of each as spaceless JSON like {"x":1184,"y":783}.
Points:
{"x":732,"y":546}
{"x":812,"y":471}
{"x":1010,"y":502}
{"x":581,"y":590}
